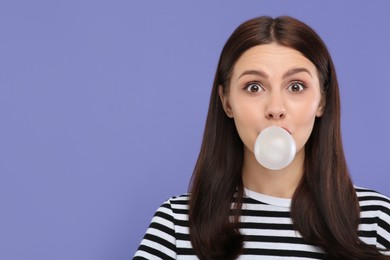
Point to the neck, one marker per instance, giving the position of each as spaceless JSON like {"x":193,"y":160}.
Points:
{"x":280,"y":183}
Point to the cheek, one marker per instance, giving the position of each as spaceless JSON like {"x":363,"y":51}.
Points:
{"x":247,"y":120}
{"x":244,"y":120}
{"x":304,"y":125}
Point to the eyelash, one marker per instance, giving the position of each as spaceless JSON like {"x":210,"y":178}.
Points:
{"x":303,"y":87}
{"x":247,"y":86}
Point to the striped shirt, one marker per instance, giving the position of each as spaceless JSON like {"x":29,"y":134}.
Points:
{"x":266,"y":225}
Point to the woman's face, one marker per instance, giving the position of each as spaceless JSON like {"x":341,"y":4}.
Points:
{"x":272,"y":85}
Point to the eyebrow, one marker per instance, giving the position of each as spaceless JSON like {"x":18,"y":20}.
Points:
{"x":287,"y":74}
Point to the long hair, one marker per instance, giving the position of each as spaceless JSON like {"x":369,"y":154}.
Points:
{"x":325,"y":208}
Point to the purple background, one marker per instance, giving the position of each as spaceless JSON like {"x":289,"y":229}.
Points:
{"x":103,"y":103}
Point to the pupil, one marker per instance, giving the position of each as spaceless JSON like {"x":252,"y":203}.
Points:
{"x":255,"y":88}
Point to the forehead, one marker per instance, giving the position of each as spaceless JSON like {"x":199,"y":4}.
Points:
{"x":273,"y":59}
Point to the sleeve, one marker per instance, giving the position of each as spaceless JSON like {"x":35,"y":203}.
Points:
{"x":159,"y":241}
{"x":383,"y":229}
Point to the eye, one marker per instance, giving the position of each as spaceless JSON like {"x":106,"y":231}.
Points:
{"x":296,"y":87}
{"x":254,"y":87}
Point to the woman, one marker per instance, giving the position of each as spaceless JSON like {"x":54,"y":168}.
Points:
{"x":272,"y":72}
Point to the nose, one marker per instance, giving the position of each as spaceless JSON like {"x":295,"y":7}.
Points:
{"x":275,"y":109}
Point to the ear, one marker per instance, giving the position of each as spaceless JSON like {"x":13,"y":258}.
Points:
{"x":225,"y":102}
{"x":321,"y":107}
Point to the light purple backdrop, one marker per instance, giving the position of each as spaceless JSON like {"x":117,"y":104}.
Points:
{"x":103,"y":103}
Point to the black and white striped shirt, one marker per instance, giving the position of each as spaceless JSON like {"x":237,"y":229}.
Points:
{"x":266,"y":226}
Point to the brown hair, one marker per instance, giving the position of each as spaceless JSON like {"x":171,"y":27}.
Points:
{"x":324,"y":208}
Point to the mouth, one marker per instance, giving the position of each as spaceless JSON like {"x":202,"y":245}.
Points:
{"x":285,"y":128}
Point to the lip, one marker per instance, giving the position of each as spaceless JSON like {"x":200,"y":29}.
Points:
{"x":285,"y":128}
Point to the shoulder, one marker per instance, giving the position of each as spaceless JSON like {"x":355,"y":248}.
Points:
{"x":373,"y":202}
{"x":374,"y":217}
{"x":365,"y":191}
{"x":179,"y":200}
{"x":174,"y":208}
{"x":166,"y":217}
{"x":160,"y":240}
{"x":372,"y":198}
{"x":176,"y":203}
